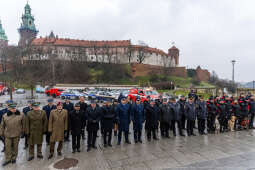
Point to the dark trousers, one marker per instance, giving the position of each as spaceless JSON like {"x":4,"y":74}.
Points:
{"x":183,"y":121}
{"x":92,"y":136}
{"x":179,"y":126}
{"x":164,"y":128}
{"x":48,"y":138}
{"x":83,"y":134}
{"x":76,"y":142}
{"x":52,"y":147}
{"x":137,"y":135}
{"x":210,"y":122}
{"x":201,"y":126}
{"x":251,"y":120}
{"x":107,"y":133}
{"x":120,"y":135}
{"x":223,"y":124}
{"x":67,"y":135}
{"x":151,"y":131}
{"x":190,"y":126}
{"x":26,"y":138}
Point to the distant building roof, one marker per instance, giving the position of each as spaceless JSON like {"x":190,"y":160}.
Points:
{"x":80,"y":43}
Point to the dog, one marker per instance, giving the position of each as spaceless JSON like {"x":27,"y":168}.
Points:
{"x":217,"y":126}
{"x":231,"y":123}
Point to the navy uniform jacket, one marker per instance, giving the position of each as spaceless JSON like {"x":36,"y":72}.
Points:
{"x":2,"y":112}
{"x":202,"y":110}
{"x":176,"y":110}
{"x":48,"y":109}
{"x":123,"y":116}
{"x":26,"y":110}
{"x":190,"y":111}
{"x":137,"y":116}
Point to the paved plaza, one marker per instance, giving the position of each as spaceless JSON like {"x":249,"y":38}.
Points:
{"x":233,"y":151}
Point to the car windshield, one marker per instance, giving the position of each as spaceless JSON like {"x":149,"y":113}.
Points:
{"x":151,"y":93}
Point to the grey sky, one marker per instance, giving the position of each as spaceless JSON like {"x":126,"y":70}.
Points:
{"x":208,"y":32}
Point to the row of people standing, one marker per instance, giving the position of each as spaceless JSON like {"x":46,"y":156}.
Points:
{"x":57,"y":122}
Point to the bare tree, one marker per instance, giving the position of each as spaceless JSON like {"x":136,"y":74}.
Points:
{"x":142,"y":54}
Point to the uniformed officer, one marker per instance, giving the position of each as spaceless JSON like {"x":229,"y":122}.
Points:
{"x":48,"y":108}
{"x":36,"y":126}
{"x":25,"y":111}
{"x":12,"y":127}
{"x":2,"y":112}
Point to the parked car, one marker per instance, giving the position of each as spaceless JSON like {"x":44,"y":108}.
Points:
{"x":143,"y":93}
{"x":71,"y":95}
{"x":39,"y":89}
{"x":53,"y":92}
{"x":20,"y":91}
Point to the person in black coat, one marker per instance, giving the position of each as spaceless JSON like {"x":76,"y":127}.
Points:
{"x":76,"y":123}
{"x":93,"y":115}
{"x":69,"y":107}
{"x":25,"y":111}
{"x":190,"y":113}
{"x":177,"y":116}
{"x":237,"y":114}
{"x":212,"y":112}
{"x":114,"y":105}
{"x":201,"y":115}
{"x":252,"y":111}
{"x":48,"y":108}
{"x":152,"y":119}
{"x":182,"y":103}
{"x":166,"y":117}
{"x":83,"y":108}
{"x":223,"y":116}
{"x":108,"y":119}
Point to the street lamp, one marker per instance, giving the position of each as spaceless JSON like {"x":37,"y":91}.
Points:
{"x":233,"y":71}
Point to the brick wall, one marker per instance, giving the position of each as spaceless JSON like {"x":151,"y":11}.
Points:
{"x":202,"y":74}
{"x":145,"y":69}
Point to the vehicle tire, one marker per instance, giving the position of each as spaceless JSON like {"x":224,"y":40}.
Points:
{"x":48,"y":94}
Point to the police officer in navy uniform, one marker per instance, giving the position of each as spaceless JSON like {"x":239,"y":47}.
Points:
{"x":48,"y":108}
{"x":182,"y":103}
{"x":93,"y":116}
{"x":190,"y":112}
{"x":25,"y":111}
{"x":177,"y":115}
{"x":201,"y":115}
{"x":83,"y":108}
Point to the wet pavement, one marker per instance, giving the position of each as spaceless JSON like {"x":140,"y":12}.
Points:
{"x":227,"y":151}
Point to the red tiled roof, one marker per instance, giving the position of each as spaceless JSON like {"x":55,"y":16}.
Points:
{"x":150,"y":49}
{"x":82,"y":43}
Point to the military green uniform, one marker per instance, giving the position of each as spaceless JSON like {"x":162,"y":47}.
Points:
{"x":12,"y":127}
{"x":36,"y":126}
{"x":58,"y":123}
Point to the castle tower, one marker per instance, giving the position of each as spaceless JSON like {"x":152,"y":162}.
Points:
{"x":173,"y":52}
{"x":27,"y":29}
{"x":3,"y":37}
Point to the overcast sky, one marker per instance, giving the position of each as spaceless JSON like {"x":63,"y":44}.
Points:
{"x":209,"y":33}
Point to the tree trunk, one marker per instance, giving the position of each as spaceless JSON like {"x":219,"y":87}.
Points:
{"x":10,"y":92}
{"x":32,"y":92}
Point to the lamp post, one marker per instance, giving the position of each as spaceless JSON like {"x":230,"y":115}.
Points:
{"x":233,"y":71}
